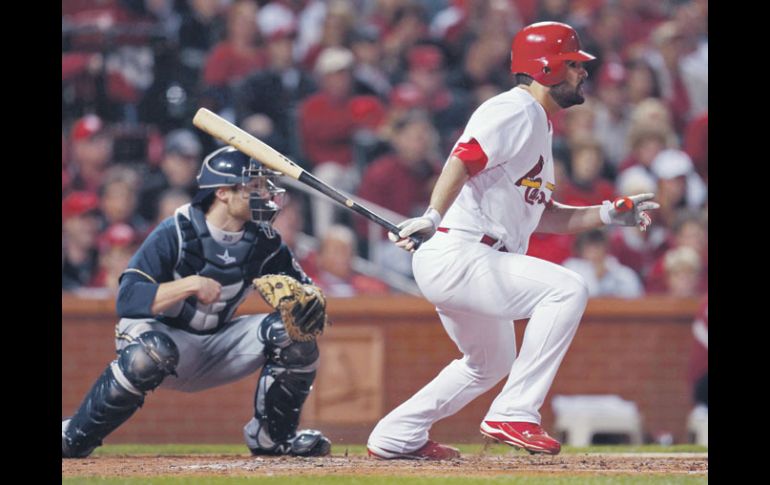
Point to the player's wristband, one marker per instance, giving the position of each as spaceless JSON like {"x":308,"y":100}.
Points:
{"x":434,"y":216}
{"x":604,"y":212}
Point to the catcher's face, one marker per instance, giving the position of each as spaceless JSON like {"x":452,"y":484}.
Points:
{"x":264,"y":197}
{"x":238,"y":204}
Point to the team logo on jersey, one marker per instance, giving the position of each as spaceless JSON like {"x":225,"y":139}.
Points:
{"x":226,"y":258}
{"x":533,"y":193}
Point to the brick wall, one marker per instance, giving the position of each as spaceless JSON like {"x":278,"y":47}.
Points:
{"x":636,"y":349}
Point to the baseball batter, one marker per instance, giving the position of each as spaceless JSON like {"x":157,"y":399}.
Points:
{"x":495,"y":190}
{"x":176,"y":302}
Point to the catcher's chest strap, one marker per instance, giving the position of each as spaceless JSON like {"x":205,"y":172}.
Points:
{"x":485,"y":239}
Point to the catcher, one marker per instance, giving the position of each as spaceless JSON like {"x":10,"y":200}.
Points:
{"x":176,"y":303}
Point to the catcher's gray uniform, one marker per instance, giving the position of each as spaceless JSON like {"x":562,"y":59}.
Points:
{"x":193,"y":346}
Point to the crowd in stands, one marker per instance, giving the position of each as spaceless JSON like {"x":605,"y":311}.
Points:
{"x":371,"y":95}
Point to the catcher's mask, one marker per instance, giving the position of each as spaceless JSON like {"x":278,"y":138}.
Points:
{"x":229,"y":167}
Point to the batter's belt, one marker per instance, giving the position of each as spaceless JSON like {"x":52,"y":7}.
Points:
{"x":484,"y":238}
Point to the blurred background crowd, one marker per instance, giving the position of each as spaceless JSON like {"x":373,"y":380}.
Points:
{"x":370,"y":95}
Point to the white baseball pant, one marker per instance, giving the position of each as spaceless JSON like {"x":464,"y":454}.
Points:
{"x":478,"y":292}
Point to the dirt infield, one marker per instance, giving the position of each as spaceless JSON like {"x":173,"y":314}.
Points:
{"x":472,"y":465}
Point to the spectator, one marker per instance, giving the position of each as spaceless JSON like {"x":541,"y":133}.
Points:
{"x":612,"y":117}
{"x":328,"y":122}
{"x":692,"y":19}
{"x":678,"y":185}
{"x":235,"y":57}
{"x":683,"y":268}
{"x":642,"y":82}
{"x":603,"y":274}
{"x":698,"y":370}
{"x":80,"y":226}
{"x":91,"y":146}
{"x":653,"y":112}
{"x":81,"y":73}
{"x":665,"y":59}
{"x":447,"y":107}
{"x":484,"y":63}
{"x":337,"y":23}
{"x":116,"y":245}
{"x":402,"y":181}
{"x":168,"y":202}
{"x":335,"y":274}
{"x":689,"y":230}
{"x":368,"y":73}
{"x":177,"y":170}
{"x":327,"y":119}
{"x":275,"y":92}
{"x":586,"y":186}
{"x":404,"y":29}
{"x":202,"y":27}
{"x":605,"y":35}
{"x":645,"y":144}
{"x":119,"y":198}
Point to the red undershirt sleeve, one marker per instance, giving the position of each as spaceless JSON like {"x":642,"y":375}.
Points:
{"x":472,"y":155}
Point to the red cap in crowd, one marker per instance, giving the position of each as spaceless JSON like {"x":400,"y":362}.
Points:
{"x":426,"y":57}
{"x":86,"y":127}
{"x":117,"y":235}
{"x":78,"y":203}
{"x":406,"y":96}
{"x":367,"y":110}
{"x":281,"y":34}
{"x":612,"y":74}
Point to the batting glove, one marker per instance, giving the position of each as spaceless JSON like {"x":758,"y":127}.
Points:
{"x":422,"y":228}
{"x":628,"y":211}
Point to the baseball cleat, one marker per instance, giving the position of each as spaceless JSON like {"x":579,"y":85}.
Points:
{"x":529,"y":436}
{"x":429,"y":451}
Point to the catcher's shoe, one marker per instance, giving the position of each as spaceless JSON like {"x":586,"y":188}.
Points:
{"x":429,"y":451}
{"x":307,"y":442}
{"x":529,"y":436}
{"x":74,"y":447}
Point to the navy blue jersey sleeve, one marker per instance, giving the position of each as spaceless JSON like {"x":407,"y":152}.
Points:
{"x":150,"y":266}
{"x":284,"y":262}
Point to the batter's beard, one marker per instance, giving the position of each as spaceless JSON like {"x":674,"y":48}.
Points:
{"x":566,"y":96}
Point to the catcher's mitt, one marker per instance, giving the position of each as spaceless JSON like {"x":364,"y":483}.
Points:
{"x":302,"y":307}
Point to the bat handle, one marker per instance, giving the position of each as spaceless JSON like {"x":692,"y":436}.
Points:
{"x":416,"y":240}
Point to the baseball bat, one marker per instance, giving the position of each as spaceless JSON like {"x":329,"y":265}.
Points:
{"x":252,"y":146}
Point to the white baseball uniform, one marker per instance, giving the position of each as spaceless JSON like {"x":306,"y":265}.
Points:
{"x":480,"y":288}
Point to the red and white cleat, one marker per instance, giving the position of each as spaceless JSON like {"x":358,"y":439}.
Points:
{"x":529,"y":436}
{"x":429,"y":451}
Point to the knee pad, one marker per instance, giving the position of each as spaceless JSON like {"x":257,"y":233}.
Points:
{"x":284,"y":352}
{"x":148,"y":360}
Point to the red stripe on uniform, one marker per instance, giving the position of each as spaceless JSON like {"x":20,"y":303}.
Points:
{"x":472,"y":155}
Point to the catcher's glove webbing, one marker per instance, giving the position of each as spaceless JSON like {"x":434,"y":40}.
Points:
{"x":302,"y":307}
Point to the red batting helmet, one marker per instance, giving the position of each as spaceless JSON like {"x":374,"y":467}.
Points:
{"x":540,"y":50}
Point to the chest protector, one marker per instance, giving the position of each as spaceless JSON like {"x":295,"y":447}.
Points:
{"x":234,"y":267}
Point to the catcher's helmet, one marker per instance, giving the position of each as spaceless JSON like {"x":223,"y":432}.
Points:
{"x":541,"y":50}
{"x":227,"y":166}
